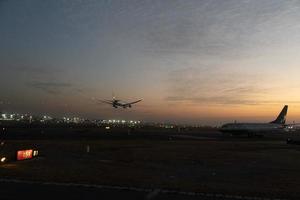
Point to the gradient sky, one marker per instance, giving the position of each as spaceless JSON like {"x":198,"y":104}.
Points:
{"x":204,"y":62}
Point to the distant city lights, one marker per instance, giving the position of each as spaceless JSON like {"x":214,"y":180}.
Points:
{"x":68,"y":120}
{"x":46,"y":119}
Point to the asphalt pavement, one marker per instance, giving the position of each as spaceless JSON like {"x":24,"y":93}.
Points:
{"x":21,"y":189}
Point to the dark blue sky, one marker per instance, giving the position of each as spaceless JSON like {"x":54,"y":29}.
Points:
{"x":192,"y":61}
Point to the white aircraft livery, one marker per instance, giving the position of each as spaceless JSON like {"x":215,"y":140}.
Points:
{"x":276,"y":126}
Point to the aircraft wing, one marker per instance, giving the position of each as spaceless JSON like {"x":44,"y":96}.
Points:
{"x":132,"y":102}
{"x":294,"y":124}
{"x":105,"y":101}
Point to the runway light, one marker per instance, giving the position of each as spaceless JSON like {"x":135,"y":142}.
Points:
{"x":3,"y":159}
{"x":107,"y":128}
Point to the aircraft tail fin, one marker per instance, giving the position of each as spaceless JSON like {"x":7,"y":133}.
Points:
{"x":281,"y":117}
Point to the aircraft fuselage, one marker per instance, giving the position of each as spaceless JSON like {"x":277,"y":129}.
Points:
{"x":117,"y":104}
{"x":237,"y":128}
{"x":276,"y":126}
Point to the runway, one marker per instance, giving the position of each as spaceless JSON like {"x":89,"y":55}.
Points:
{"x":16,"y":189}
{"x":152,"y":165}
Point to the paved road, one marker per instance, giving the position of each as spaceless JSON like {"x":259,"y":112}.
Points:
{"x":16,"y":189}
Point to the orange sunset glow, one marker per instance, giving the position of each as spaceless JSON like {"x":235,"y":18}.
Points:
{"x":194,"y":62}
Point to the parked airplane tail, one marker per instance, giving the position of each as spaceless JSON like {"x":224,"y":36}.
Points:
{"x":281,"y":117}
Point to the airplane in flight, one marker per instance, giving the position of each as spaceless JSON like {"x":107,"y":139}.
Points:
{"x":252,"y":129}
{"x":119,"y":103}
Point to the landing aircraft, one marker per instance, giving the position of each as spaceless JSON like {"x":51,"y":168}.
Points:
{"x":119,"y":103}
{"x":276,"y":126}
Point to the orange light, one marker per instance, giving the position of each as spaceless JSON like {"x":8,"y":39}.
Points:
{"x":24,"y":154}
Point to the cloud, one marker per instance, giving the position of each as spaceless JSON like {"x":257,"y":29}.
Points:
{"x":30,"y":69}
{"x":228,"y":29}
{"x":39,"y":70}
{"x":226,"y":100}
{"x":50,"y":87}
{"x":213,"y":86}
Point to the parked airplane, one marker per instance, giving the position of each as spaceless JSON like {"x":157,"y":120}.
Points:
{"x":118,"y":103}
{"x":276,"y":126}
